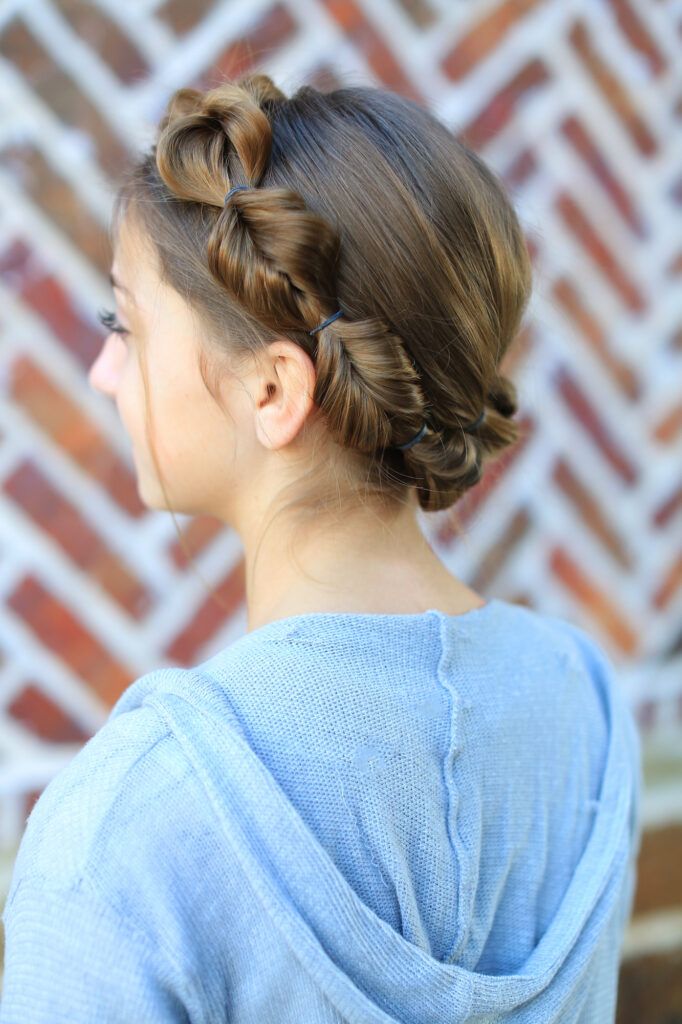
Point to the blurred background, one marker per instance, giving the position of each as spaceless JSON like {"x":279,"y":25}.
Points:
{"x":577,"y":105}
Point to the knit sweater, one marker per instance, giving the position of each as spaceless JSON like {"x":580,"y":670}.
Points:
{"x":376,"y":818}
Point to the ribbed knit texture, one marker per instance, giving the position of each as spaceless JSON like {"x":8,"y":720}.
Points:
{"x":420,"y":818}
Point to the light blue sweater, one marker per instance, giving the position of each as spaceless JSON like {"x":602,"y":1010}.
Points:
{"x":422,"y":818}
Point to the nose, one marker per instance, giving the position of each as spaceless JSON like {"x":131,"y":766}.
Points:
{"x":103,"y":372}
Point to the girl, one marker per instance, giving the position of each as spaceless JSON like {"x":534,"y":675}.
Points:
{"x":390,"y":800}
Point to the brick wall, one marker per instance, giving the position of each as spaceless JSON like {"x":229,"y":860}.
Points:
{"x":577,"y":106}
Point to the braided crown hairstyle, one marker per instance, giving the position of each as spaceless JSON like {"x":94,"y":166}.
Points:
{"x":361,"y":199}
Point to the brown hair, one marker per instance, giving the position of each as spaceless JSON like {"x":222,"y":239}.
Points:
{"x":362,"y":199}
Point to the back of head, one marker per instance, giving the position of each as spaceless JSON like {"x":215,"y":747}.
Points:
{"x":360,"y":200}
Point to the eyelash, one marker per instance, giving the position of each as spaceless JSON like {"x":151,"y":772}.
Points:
{"x":108,"y":320}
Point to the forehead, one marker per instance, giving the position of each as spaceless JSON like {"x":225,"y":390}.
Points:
{"x":133,"y":268}
{"x":151,"y":305}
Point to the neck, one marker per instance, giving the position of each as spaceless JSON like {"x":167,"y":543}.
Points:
{"x":363,"y":563}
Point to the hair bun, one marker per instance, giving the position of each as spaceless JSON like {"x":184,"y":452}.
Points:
{"x":261,"y":88}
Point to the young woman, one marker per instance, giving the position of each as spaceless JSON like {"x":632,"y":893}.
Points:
{"x":390,"y":800}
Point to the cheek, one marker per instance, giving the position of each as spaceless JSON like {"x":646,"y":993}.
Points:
{"x":130,"y":399}
{"x":164,"y":426}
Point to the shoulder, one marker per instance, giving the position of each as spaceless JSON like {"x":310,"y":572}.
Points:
{"x":109,"y":788}
{"x":583,"y":659}
{"x":549,"y":637}
{"x":534,"y":667}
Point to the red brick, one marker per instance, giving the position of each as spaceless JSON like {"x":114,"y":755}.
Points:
{"x":485,"y":37}
{"x":659,"y":879}
{"x":209,"y":617}
{"x":61,"y":94}
{"x":597,"y":604}
{"x":61,"y":521}
{"x":533,"y":247}
{"x":22,"y":271}
{"x":521,"y":598}
{"x":501,"y":108}
{"x":198,"y":534}
{"x":613,"y":91}
{"x":267,"y":35}
{"x":670,"y":426}
{"x":521,"y":169}
{"x":369,"y":41}
{"x":574,"y":130}
{"x":635,"y":31}
{"x":57,"y":628}
{"x":576,"y":400}
{"x":650,"y":989}
{"x":30,"y":800}
{"x":69,"y":428}
{"x":92,"y":25}
{"x":419,"y":11}
{"x":624,"y":376}
{"x":182,"y":16}
{"x":59,"y":201}
{"x":670,"y":507}
{"x":40,"y":715}
{"x":669,"y":586}
{"x":591,"y":512}
{"x":576,"y":220}
{"x":498,"y":554}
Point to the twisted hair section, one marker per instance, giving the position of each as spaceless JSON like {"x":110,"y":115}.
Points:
{"x":273,"y":256}
{"x":355,"y":198}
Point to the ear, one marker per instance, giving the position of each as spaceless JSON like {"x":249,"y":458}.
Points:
{"x":285,"y":384}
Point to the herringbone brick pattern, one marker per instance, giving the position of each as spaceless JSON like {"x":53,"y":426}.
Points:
{"x":576,"y":104}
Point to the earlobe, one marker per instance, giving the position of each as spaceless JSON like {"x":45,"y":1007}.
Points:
{"x":279,"y":417}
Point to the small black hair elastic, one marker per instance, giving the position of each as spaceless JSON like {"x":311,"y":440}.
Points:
{"x":414,"y":439}
{"x":468,"y":429}
{"x":235,"y":189}
{"x":472,"y":426}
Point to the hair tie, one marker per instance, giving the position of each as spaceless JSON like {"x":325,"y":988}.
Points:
{"x":235,"y":189}
{"x":414,"y":439}
{"x":469,"y":428}
{"x":324,"y":323}
{"x":472,"y":426}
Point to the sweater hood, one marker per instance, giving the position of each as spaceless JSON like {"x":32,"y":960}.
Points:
{"x":366,"y":969}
